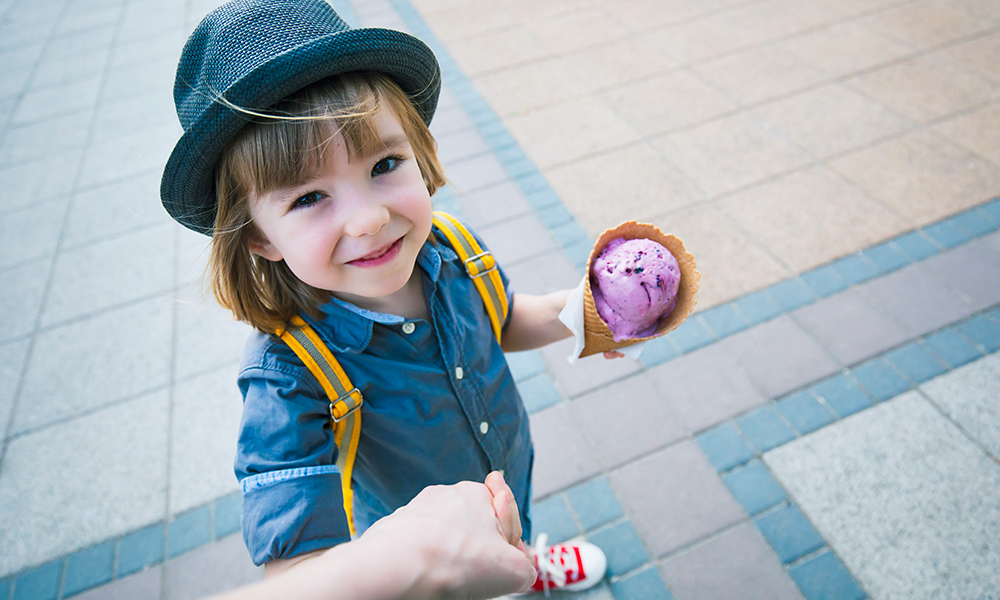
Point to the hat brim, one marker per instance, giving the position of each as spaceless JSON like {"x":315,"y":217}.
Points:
{"x":187,"y":188}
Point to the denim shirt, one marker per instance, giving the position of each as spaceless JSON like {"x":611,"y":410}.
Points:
{"x":440,"y":406}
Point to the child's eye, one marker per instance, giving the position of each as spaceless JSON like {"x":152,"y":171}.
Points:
{"x":306,"y":200}
{"x":385,"y":165}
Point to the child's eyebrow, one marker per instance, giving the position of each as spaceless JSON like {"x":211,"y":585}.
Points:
{"x":388,"y":143}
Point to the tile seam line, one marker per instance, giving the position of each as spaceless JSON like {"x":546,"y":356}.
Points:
{"x":951,"y":419}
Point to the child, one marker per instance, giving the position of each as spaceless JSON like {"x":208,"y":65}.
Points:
{"x":306,"y":156}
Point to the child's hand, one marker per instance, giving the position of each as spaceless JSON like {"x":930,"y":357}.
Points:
{"x":505,"y":508}
{"x":613,"y":354}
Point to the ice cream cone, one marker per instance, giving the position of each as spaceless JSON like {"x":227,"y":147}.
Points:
{"x":598,"y":337}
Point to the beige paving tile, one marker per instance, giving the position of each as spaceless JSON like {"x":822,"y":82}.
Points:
{"x":984,"y":9}
{"x":647,"y":15}
{"x":610,"y":65}
{"x":832,"y":119}
{"x":631,"y":183}
{"x":701,"y":39}
{"x":569,"y":131}
{"x":811,"y":217}
{"x":667,"y":102}
{"x":582,"y":28}
{"x":773,"y":19}
{"x":925,"y":23}
{"x":731,"y":264}
{"x":471,"y":19}
{"x":498,"y":50}
{"x":854,"y":8}
{"x":922,"y":176}
{"x":978,"y":131}
{"x":729,"y":153}
{"x":759,"y":73}
{"x":981,"y":55}
{"x":532,"y":10}
{"x":844,"y":48}
{"x":926,"y":87}
{"x":428,"y":8}
{"x":519,"y":89}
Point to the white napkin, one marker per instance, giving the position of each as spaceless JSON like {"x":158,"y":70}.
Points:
{"x":572,"y":317}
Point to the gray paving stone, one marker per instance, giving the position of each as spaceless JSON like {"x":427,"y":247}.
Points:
{"x":53,"y":72}
{"x":969,"y":396}
{"x":129,"y":82}
{"x":973,"y":270}
{"x":130,"y":155}
{"x":57,"y":100}
{"x":779,"y":356}
{"x":849,"y":327}
{"x":51,"y":136}
{"x":111,"y":210}
{"x":217,"y":567}
{"x":626,"y":420}
{"x":916,"y":300}
{"x":208,"y":334}
{"x":562,"y":455}
{"x":518,"y":239}
{"x":146,"y":19}
{"x":124,"y":352}
{"x":21,"y":291}
{"x":675,"y":497}
{"x":83,"y":481}
{"x":82,"y":42}
{"x":116,"y":118}
{"x":26,"y":184}
{"x":145,"y":584}
{"x":493,"y":204}
{"x":543,"y":274}
{"x":193,"y":251}
{"x":30,"y":233}
{"x":148,"y":48}
{"x":706,"y":387}
{"x":12,"y":357}
{"x":477,"y":172}
{"x":460,"y":144}
{"x":905,"y":499}
{"x":449,"y":119}
{"x":110,"y":273}
{"x":736,"y":564}
{"x":588,"y":373}
{"x":206,"y":421}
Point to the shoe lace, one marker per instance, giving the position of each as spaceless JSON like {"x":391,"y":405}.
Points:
{"x":548,"y":569}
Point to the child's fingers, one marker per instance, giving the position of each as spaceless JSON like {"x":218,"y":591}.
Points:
{"x":613,"y":354}
{"x":504,"y":507}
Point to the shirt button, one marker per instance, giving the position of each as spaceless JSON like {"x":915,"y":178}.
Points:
{"x":484,"y":427}
{"x":408,"y":328}
{"x":459,"y":373}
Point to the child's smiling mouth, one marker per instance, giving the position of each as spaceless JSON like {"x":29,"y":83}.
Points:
{"x":379,"y":257}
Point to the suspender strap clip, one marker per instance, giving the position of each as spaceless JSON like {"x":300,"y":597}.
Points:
{"x":480,"y":264}
{"x":345,"y":405}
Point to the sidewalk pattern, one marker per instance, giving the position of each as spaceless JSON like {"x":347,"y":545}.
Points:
{"x":733,"y":460}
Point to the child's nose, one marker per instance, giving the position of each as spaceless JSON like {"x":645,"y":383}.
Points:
{"x":368,"y":220}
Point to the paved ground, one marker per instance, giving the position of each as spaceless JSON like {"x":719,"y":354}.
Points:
{"x":824,"y":427}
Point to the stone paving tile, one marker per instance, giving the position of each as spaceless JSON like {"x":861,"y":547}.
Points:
{"x":125,"y":352}
{"x":856,"y":479}
{"x":707,"y":387}
{"x":594,"y":503}
{"x":971,"y":269}
{"x":675,"y":497}
{"x":759,"y":74}
{"x":789,"y":533}
{"x":493,"y":204}
{"x":849,"y":327}
{"x":115,"y":481}
{"x":562,"y":455}
{"x":916,"y":300}
{"x":779,"y":356}
{"x":21,"y":292}
{"x":211,"y":337}
{"x":213,"y":568}
{"x":968,"y":396}
{"x":588,"y":373}
{"x":518,"y":239}
{"x":543,"y":274}
{"x":626,"y":420}
{"x":824,"y":576}
{"x":924,"y":24}
{"x":127,"y":156}
{"x":30,"y":233}
{"x":108,"y":211}
{"x":12,"y":358}
{"x":736,"y":564}
{"x":622,"y":546}
{"x":26,"y":184}
{"x":146,"y":585}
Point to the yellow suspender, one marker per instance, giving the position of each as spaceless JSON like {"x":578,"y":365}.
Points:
{"x":345,"y":399}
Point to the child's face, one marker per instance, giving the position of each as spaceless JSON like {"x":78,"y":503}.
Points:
{"x":355,"y":226}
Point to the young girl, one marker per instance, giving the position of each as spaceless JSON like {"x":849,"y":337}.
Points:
{"x":306,"y":156}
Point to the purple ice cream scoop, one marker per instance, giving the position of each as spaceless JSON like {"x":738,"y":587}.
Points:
{"x":634,"y":283}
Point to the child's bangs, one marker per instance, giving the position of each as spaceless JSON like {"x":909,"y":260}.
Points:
{"x":288,"y":146}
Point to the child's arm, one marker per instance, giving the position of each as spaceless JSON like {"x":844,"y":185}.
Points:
{"x":457,"y":541}
{"x":534,"y":321}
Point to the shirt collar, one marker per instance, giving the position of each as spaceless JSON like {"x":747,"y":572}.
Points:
{"x":346,"y":327}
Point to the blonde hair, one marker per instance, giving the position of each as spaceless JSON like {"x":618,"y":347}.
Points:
{"x":278,"y":149}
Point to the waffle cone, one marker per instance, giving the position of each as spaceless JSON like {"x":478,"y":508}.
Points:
{"x":598,"y":337}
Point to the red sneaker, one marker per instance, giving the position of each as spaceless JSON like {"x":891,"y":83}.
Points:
{"x":570,"y":567}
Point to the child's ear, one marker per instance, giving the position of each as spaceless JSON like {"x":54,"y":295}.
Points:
{"x":263,"y":248}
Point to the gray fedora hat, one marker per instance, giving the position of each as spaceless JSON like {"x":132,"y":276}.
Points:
{"x":254,"y":53}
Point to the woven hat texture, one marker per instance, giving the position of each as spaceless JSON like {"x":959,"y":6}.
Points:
{"x":254,"y":53}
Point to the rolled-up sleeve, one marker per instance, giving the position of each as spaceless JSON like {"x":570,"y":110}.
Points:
{"x":285,"y":462}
